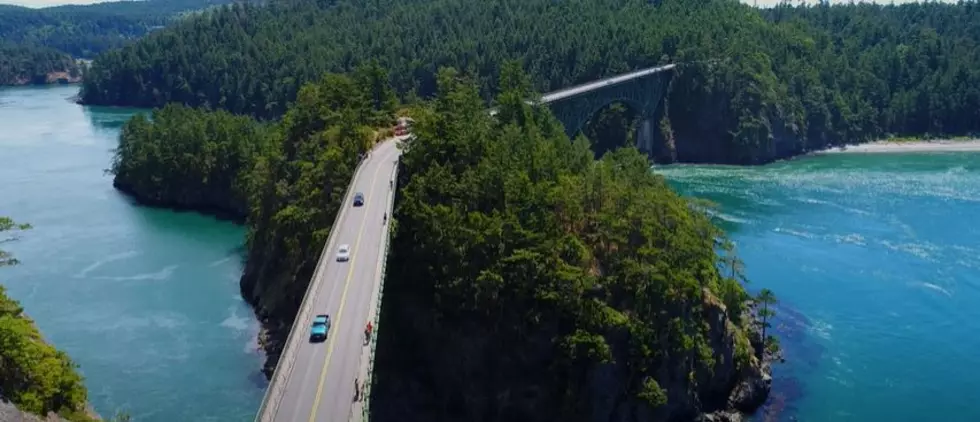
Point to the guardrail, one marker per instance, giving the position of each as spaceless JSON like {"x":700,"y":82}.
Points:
{"x":284,"y":368}
{"x":376,"y":319}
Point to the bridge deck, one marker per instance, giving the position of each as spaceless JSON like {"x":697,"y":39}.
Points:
{"x":613,"y":80}
{"x":315,"y":382}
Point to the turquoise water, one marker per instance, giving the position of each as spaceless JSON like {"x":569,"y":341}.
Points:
{"x":876,"y":258}
{"x":146,"y":301}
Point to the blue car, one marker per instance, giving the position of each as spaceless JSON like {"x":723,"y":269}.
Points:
{"x":358,"y":199}
{"x":321,"y":325}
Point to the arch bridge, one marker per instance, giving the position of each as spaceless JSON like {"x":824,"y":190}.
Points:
{"x":643,"y":90}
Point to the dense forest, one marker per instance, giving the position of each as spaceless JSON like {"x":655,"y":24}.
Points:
{"x":286,"y":178}
{"x":754,"y":85}
{"x":35,"y":43}
{"x":215,"y":152}
{"x":21,"y":64}
{"x":531,"y":282}
{"x":85,"y":31}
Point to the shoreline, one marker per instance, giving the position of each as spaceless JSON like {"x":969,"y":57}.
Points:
{"x":878,"y":147}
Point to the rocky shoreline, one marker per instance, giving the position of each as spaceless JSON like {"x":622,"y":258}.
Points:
{"x":209,"y":210}
{"x":754,"y":384}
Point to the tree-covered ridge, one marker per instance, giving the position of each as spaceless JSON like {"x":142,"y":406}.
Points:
{"x":755,"y":85}
{"x":906,"y":69}
{"x":34,"y":376}
{"x":85,"y":31}
{"x":530,"y":282}
{"x":21,"y":64}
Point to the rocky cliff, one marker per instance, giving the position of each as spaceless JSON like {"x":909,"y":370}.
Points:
{"x":10,"y":413}
{"x":706,"y":118}
{"x":440,"y":370}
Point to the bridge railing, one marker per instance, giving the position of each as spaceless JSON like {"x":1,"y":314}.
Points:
{"x":376,"y":318}
{"x":277,"y":384}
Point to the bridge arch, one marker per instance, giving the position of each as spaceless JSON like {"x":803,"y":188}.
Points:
{"x":642,"y":91}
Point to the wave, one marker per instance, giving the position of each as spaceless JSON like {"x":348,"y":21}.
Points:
{"x":920,"y":250}
{"x":728,"y":217}
{"x":805,"y":235}
{"x":161,"y":275}
{"x":852,"y":238}
{"x":220,"y":261}
{"x":935,"y":288}
{"x":111,"y":258}
{"x":234,"y":321}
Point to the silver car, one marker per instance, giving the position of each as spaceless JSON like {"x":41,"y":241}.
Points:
{"x":343,"y":253}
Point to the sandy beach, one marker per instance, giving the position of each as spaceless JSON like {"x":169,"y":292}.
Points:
{"x":972,"y":145}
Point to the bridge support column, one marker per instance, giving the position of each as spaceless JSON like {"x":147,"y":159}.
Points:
{"x":644,"y":135}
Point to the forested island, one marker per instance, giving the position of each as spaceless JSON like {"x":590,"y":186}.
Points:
{"x":534,"y":278}
{"x":41,"y":46}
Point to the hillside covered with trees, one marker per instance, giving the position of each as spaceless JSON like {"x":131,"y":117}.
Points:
{"x":38,"y":46}
{"x":21,"y":65}
{"x":754,"y":85}
{"x":531,"y":282}
{"x":85,"y":31}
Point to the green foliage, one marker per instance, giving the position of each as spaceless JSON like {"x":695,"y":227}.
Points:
{"x":743,"y":349}
{"x":188,"y":158}
{"x":34,"y":376}
{"x":511,"y":234}
{"x":297,"y":188}
{"x":20,"y":64}
{"x":767,"y":298}
{"x":85,"y":31}
{"x":754,"y":85}
{"x":288,"y":178}
{"x":8,"y":225}
{"x":772,"y":344}
{"x":651,"y":391}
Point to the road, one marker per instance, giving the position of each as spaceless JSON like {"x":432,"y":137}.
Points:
{"x":319,"y":385}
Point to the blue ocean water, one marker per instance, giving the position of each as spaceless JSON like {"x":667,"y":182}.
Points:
{"x":876,"y":261}
{"x":146,"y":301}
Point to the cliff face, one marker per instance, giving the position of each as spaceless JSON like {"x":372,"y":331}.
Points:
{"x":730,"y":114}
{"x":442,"y":370}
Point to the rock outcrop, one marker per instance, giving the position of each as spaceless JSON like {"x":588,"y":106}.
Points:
{"x":434,"y":369}
{"x":10,"y":413}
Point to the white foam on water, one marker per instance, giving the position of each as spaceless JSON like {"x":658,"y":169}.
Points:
{"x":111,"y":258}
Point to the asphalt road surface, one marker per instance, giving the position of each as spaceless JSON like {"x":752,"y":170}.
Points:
{"x":320,"y":384}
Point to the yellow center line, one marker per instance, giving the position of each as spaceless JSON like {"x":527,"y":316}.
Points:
{"x":343,"y":297}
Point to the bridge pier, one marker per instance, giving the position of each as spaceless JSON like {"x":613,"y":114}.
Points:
{"x":644,"y":135}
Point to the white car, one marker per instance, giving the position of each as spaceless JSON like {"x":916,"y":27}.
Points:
{"x":343,"y":253}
